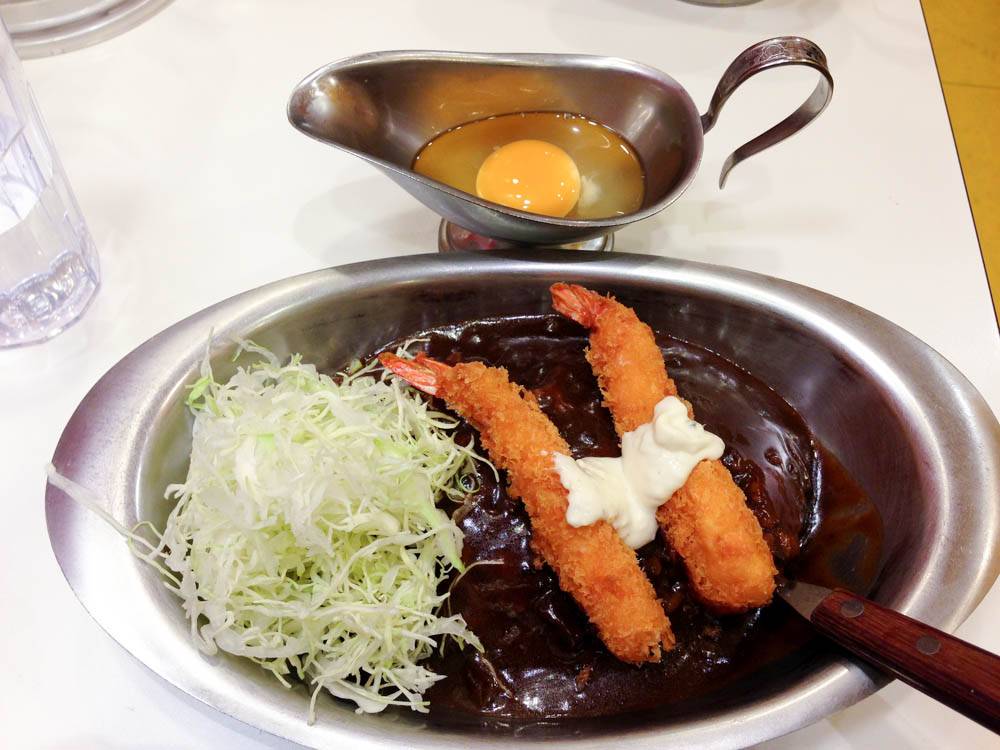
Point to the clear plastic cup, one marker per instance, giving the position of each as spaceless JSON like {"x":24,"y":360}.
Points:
{"x":48,"y":263}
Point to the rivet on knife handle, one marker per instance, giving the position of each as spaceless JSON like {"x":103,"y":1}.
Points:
{"x":948,"y":669}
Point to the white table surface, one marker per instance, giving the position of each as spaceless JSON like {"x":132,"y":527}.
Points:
{"x":196,"y":188}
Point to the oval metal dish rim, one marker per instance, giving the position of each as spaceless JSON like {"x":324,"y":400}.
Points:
{"x":111,"y":424}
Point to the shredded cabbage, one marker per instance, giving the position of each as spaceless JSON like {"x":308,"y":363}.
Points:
{"x":307,"y":537}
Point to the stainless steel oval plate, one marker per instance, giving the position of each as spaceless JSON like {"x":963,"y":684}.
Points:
{"x":908,"y":427}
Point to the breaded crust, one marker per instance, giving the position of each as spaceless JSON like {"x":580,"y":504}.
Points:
{"x":709,"y":524}
{"x":706,"y":521}
{"x":592,"y":563}
{"x":619,"y":354}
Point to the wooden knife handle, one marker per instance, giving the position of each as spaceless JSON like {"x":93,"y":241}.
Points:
{"x":948,"y":669}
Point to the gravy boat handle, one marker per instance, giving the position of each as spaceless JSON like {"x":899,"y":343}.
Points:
{"x":771,"y":53}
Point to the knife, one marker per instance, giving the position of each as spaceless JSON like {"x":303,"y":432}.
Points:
{"x":958,"y":674}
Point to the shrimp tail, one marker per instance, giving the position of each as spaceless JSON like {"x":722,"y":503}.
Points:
{"x":577,"y":303}
{"x":592,"y":563}
{"x":623,"y":354}
{"x":422,"y":372}
{"x":707,"y":521}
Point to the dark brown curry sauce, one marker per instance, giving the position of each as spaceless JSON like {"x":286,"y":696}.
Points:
{"x":542,"y":658}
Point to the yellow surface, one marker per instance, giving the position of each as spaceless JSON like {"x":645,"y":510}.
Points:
{"x":531,"y":175}
{"x":964,"y":35}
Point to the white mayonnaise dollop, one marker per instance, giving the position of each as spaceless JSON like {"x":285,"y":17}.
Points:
{"x":656,"y":460}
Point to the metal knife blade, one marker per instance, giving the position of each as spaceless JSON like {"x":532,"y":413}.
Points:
{"x":804,"y":597}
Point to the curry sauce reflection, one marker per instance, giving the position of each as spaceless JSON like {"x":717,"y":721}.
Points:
{"x":542,"y":658}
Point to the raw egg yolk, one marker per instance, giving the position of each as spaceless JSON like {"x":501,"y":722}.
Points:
{"x":532,"y":176}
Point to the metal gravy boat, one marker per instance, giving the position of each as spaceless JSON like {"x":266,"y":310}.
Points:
{"x":384,"y":106}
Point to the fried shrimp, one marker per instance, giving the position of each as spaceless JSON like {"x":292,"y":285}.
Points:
{"x":707,"y":520}
{"x":592,"y":562}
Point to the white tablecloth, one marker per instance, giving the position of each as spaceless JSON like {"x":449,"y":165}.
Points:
{"x":195,"y":186}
